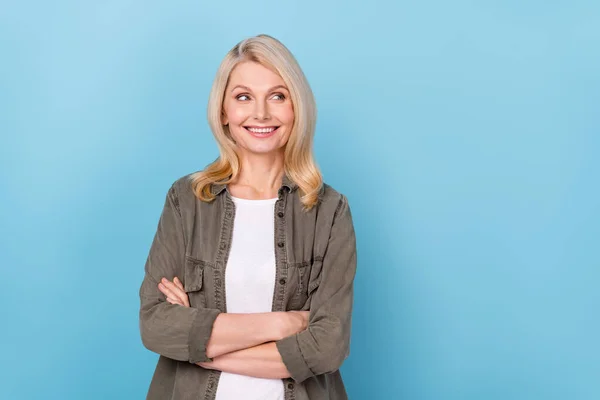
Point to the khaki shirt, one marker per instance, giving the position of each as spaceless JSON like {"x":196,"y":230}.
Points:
{"x":315,"y":254}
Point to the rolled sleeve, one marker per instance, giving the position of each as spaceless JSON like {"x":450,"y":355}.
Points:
{"x":174,"y":331}
{"x":325,"y":344}
{"x":292,"y":357}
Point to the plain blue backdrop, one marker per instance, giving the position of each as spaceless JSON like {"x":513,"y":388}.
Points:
{"x":465,"y":134}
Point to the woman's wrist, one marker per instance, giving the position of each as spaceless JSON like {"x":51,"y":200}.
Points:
{"x":280,"y":327}
{"x":290,"y":323}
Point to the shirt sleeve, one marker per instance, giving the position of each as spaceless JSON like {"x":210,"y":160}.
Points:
{"x":174,"y":331}
{"x":325,"y":344}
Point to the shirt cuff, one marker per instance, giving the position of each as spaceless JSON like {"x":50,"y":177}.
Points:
{"x":293,"y":359}
{"x":200,"y":332}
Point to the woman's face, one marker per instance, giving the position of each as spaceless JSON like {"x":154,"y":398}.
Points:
{"x":258,"y":109}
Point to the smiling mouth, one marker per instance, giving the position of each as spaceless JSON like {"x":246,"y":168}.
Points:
{"x":265,"y":130}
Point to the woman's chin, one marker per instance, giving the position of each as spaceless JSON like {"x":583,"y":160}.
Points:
{"x":263,"y":150}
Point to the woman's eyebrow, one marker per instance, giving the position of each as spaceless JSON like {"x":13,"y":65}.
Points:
{"x":248,"y":89}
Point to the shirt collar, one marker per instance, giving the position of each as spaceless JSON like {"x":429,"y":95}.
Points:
{"x":218,"y":187}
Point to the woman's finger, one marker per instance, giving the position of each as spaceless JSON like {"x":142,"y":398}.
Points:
{"x":186,"y":299}
{"x":175,"y":291}
{"x":166,"y":291}
{"x":177,"y":282}
{"x":173,"y":301}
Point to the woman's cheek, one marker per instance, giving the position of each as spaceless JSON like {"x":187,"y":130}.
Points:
{"x":240,"y":114}
{"x":289,"y":115}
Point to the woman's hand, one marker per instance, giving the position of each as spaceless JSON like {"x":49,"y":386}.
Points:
{"x":174,"y":291}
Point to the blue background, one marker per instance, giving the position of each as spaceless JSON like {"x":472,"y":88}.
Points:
{"x":466,"y":136}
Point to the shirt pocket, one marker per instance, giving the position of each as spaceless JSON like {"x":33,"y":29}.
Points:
{"x":305,"y":278}
{"x":314,"y":279}
{"x":194,"y":276}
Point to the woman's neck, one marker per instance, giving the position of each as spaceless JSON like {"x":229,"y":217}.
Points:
{"x":260,"y":177}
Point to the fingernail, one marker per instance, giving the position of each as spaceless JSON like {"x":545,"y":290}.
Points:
{"x":175,"y":279}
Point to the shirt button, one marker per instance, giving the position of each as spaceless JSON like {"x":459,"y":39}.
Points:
{"x":290,"y":385}
{"x":282,"y":281}
{"x":280,"y":244}
{"x":280,"y":214}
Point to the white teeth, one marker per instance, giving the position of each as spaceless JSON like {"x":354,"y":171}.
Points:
{"x":261,"y":130}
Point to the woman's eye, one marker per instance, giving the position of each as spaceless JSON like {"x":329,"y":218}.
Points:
{"x":245,"y":97}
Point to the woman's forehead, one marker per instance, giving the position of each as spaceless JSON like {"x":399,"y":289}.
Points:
{"x":254,"y":76}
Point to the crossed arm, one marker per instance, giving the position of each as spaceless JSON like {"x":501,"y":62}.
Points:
{"x":270,"y":345}
{"x":244,"y":343}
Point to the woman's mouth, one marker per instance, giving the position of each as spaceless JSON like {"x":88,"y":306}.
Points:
{"x":261,"y":132}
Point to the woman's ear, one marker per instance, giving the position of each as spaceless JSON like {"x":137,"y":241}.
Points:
{"x":224,"y":120}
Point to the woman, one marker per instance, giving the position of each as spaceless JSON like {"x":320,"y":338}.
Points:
{"x":248,"y":285}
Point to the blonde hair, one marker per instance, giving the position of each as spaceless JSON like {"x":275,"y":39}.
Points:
{"x":299,"y":162}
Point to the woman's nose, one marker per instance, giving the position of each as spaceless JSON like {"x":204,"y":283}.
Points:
{"x":261,"y":110}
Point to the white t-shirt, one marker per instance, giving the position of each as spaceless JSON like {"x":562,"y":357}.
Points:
{"x":249,"y":286}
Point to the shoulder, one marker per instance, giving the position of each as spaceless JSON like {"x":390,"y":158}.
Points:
{"x":332,"y":200}
{"x":183,"y":184}
{"x":181,"y":192}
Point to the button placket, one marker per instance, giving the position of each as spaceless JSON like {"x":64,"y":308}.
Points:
{"x":289,"y":392}
{"x":223,"y":253}
{"x":280,"y":255}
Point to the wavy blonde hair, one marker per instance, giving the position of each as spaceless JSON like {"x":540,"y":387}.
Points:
{"x":299,"y":162}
